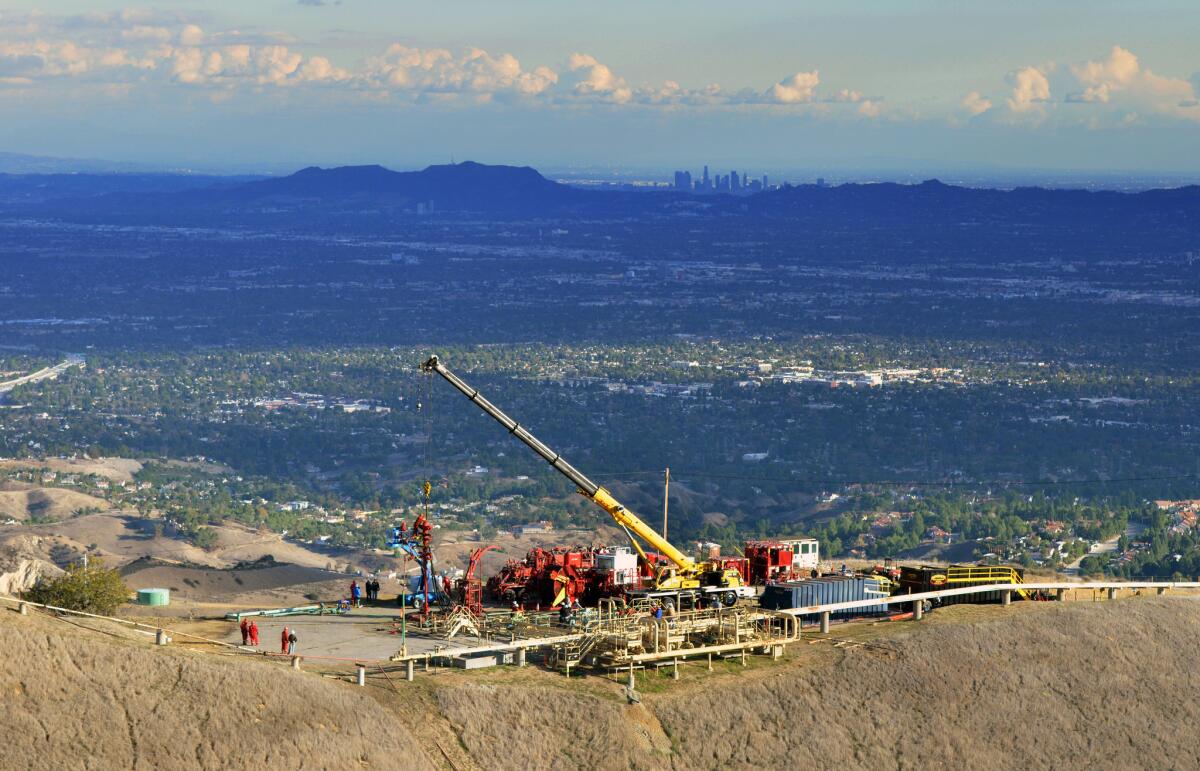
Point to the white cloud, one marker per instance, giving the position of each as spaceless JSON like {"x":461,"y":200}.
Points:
{"x":974,"y":104}
{"x":869,"y":108}
{"x":1115,"y":90}
{"x":1030,"y":88}
{"x":142,"y":32}
{"x":191,"y":35}
{"x":1121,"y":80}
{"x":1119,"y":69}
{"x":405,"y":69}
{"x":797,"y":89}
{"x":847,"y":95}
{"x":118,"y":53}
{"x":592,"y":80}
{"x":319,"y":69}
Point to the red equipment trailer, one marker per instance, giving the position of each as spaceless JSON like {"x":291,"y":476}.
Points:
{"x":769,"y":561}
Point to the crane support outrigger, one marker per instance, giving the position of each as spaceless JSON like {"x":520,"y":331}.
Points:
{"x":684,"y":573}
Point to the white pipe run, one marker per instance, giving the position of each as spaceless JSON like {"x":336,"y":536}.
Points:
{"x":988,"y":589}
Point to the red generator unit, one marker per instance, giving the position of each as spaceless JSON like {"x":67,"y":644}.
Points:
{"x":769,"y":561}
{"x":543,"y":575}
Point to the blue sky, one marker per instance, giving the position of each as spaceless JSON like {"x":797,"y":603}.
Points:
{"x":920,"y":86}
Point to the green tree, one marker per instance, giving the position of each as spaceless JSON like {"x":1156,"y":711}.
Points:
{"x":92,"y":589}
{"x":204,"y":537}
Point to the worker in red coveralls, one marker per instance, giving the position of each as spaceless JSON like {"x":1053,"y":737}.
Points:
{"x":253,"y":634}
{"x":446,"y":585}
{"x":283,"y":641}
{"x":245,"y":627}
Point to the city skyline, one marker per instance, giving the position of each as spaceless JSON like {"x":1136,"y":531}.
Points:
{"x":930,"y":88}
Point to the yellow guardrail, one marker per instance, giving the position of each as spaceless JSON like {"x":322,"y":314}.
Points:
{"x":958,"y":574}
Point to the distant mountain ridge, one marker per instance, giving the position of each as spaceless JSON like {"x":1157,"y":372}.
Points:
{"x":933,"y":203}
{"x":522,"y":190}
{"x":460,"y":186}
{"x":335,"y":197}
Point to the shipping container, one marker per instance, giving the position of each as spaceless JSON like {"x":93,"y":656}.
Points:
{"x":926,"y":578}
{"x":826,"y":590}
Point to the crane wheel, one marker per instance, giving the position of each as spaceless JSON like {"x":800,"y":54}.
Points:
{"x":729,"y":599}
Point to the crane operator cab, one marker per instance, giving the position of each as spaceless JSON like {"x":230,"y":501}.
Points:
{"x":729,"y":580}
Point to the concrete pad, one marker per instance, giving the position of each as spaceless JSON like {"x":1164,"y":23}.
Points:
{"x":364,"y":634}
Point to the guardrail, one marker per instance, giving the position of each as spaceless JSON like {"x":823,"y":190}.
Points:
{"x":158,"y":630}
{"x":988,"y":589}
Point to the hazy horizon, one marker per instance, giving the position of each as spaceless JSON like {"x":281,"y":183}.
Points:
{"x":833,"y":174}
{"x":1080,"y":87}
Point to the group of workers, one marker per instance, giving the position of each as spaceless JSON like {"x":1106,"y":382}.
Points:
{"x":371,"y":586}
{"x":287,"y":641}
{"x":249,"y":632}
{"x":249,"y":629}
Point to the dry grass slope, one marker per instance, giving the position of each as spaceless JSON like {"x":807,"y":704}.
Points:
{"x":1047,"y":686}
{"x":507,"y":727}
{"x":46,"y":502}
{"x":1038,"y":686}
{"x":75,"y":699}
{"x":116,"y":469}
{"x":222,"y":585}
{"x":1099,"y":686}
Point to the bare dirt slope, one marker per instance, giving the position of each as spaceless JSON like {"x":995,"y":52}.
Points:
{"x":1074,"y":685}
{"x":21,"y":502}
{"x":117,"y":536}
{"x":190,"y":581}
{"x":560,"y":728}
{"x":116,"y":469}
{"x":121,"y":537}
{"x":1051,"y":686}
{"x":1040,"y":685}
{"x":75,"y":699}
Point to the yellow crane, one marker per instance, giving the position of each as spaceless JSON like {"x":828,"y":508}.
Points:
{"x":682,"y":575}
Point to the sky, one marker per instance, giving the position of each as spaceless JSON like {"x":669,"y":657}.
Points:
{"x":915,"y":86}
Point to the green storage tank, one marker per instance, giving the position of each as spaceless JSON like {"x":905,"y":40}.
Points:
{"x":154,"y":596}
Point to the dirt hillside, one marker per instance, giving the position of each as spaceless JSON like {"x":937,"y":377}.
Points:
{"x":75,"y":699}
{"x":1045,"y":685}
{"x":121,"y":537}
{"x":116,"y":469}
{"x":1050,"y":686}
{"x":1075,"y":685}
{"x":189,"y":581}
{"x":24,"y":501}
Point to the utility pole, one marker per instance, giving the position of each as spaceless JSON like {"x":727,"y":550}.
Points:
{"x":666,"y":497}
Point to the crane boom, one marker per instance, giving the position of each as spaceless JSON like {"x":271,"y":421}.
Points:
{"x":587,"y":488}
